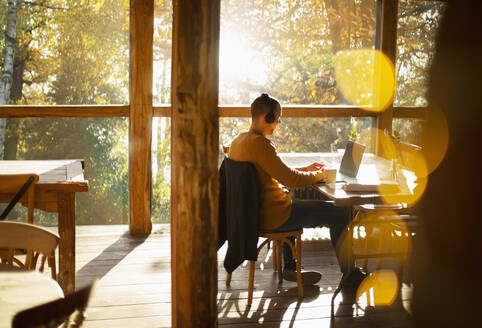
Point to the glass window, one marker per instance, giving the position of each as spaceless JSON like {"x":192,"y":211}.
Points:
{"x":287,"y":48}
{"x":68,"y":52}
{"x":161,"y":170}
{"x":408,"y":130}
{"x":102,"y":143}
{"x":418,"y":23}
{"x":306,"y":135}
{"x":162,"y":52}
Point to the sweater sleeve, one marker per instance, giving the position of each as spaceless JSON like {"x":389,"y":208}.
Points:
{"x":268,"y":159}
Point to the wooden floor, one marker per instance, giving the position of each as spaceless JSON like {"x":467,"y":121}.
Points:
{"x":134,"y":288}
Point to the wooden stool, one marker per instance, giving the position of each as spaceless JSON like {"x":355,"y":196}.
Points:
{"x":278,"y":238}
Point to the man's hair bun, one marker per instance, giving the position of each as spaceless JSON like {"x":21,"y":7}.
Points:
{"x":264,"y":95}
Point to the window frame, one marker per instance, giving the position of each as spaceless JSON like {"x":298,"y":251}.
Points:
{"x":141,"y":110}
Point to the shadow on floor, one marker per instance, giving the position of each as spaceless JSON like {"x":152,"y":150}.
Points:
{"x":108,"y":258}
{"x":285,"y":309}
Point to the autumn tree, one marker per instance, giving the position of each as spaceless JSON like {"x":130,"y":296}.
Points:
{"x":76,"y":53}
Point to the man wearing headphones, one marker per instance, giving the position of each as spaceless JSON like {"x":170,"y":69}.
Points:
{"x":278,"y":211}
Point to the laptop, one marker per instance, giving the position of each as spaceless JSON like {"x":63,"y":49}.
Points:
{"x":350,"y":163}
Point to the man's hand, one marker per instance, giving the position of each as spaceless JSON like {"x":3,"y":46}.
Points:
{"x":316,"y":166}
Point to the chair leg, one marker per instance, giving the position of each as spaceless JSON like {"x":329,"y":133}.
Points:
{"x":279,"y":247}
{"x":251,"y":282}
{"x":368,"y":233}
{"x":275,"y":256}
{"x":298,"y":265}
{"x":228,"y":279}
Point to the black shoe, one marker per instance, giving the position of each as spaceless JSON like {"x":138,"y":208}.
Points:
{"x":307,"y":277}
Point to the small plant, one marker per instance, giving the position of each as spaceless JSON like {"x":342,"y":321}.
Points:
{"x":353,"y":135}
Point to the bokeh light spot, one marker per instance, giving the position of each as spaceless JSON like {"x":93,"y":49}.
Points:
{"x":435,"y":138}
{"x":366,"y":77}
{"x":378,"y":289}
{"x":381,"y":232}
{"x":407,"y":165}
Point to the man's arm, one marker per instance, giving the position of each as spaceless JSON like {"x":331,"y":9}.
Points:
{"x":268,"y":159}
{"x":316,"y":166}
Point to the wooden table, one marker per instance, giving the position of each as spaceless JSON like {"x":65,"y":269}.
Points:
{"x":20,"y":290}
{"x":59,"y":180}
{"x":372,"y":169}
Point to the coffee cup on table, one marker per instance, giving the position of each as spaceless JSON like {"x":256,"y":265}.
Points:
{"x":330,"y":175}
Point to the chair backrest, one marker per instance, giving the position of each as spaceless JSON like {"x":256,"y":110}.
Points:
{"x":11,"y":185}
{"x":239,"y":212}
{"x":68,"y":310}
{"x":242,"y":182}
{"x":33,"y":239}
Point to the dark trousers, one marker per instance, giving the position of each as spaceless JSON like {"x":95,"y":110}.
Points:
{"x":315,"y":213}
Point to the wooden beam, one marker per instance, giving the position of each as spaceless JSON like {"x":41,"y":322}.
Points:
{"x":410,"y":112}
{"x":52,"y":111}
{"x":64,"y":111}
{"x":299,"y":111}
{"x":388,"y":45}
{"x":161,"y":111}
{"x":140,"y":115}
{"x":194,"y":170}
{"x":288,"y":111}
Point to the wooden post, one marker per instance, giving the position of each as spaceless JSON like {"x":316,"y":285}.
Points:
{"x":140,"y":115}
{"x":194,"y":170}
{"x":66,"y":208}
{"x":389,"y":14}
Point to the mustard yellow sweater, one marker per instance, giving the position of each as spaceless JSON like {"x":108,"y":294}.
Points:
{"x":275,"y":203}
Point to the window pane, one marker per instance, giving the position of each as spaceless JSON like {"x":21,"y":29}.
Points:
{"x":102,"y":143}
{"x":287,"y":47}
{"x":306,"y":135}
{"x":408,"y":130}
{"x":67,"y":52}
{"x":162,"y":52}
{"x":418,"y":23}
{"x":161,"y":170}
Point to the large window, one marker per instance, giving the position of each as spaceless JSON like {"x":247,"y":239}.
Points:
{"x":102,"y":143}
{"x":76,"y":52}
{"x":162,"y":52}
{"x":161,"y":170}
{"x":305,"y":135}
{"x":70,"y":52}
{"x":408,"y":130}
{"x":67,"y":52}
{"x":418,"y":23}
{"x":287,"y":47}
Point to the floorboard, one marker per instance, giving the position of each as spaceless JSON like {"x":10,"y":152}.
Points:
{"x":133,"y":286}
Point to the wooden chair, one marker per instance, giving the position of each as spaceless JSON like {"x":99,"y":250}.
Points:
{"x":67,"y":312}
{"x":378,"y":236}
{"x":408,"y":155}
{"x":12,"y":187}
{"x":385,"y":227}
{"x":35,"y":241}
{"x":278,"y":239}
{"x":245,"y":171}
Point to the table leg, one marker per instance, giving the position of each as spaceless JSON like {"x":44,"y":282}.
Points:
{"x":66,"y":203}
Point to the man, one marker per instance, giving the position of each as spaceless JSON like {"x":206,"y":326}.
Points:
{"x":278,"y":211}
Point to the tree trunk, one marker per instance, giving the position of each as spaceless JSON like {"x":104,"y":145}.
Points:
{"x":11,"y":140}
{"x":7,"y":76}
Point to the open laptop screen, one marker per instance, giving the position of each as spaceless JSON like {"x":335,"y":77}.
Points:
{"x":351,"y":160}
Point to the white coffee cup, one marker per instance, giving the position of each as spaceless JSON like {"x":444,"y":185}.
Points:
{"x":330,"y":175}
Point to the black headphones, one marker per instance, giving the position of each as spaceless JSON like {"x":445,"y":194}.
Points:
{"x":269,"y":118}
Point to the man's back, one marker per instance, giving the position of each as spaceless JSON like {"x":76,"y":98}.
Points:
{"x":271,"y":170}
